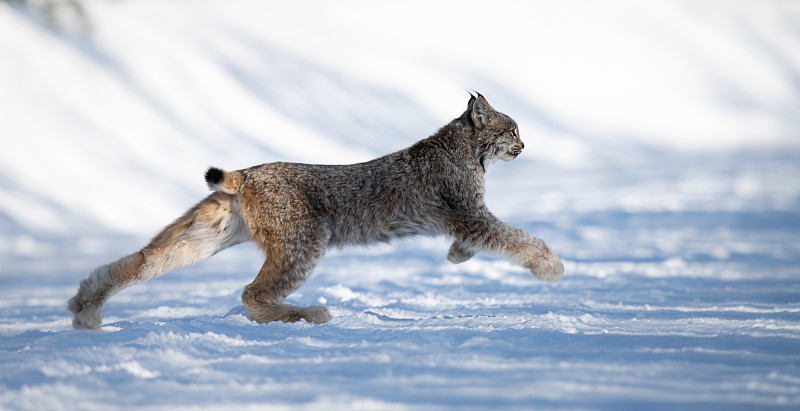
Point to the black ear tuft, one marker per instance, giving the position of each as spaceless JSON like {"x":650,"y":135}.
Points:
{"x":214,"y":175}
{"x":482,"y":113}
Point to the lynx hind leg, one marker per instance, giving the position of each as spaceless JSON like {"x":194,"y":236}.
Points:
{"x":102,"y":283}
{"x":287,"y":313}
{"x":290,"y":260}
{"x":459,"y":253}
{"x":285,"y":270}
{"x":210,"y":226}
{"x":264,"y":297}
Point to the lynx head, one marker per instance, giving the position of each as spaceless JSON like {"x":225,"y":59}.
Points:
{"x":497,"y":134}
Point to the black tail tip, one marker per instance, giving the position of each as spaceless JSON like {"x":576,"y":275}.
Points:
{"x":214,"y":175}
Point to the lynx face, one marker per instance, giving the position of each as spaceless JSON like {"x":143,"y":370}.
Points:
{"x":498,"y":135}
{"x":512,"y":144}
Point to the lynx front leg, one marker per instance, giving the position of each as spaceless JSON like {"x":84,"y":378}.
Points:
{"x":537,"y":257}
{"x":485,"y":232}
{"x":458,"y":253}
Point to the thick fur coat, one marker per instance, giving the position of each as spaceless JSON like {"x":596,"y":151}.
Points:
{"x":295,"y":212}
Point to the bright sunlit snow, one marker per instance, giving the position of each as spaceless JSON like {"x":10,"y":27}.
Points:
{"x":661,"y":163}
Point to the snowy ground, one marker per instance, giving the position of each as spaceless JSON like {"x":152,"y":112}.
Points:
{"x":661,"y":163}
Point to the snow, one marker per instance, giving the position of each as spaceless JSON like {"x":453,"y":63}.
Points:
{"x":661,"y":162}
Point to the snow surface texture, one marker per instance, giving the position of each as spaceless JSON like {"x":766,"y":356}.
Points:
{"x":661,"y":163}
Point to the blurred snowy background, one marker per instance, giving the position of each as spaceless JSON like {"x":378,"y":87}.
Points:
{"x":662,"y":162}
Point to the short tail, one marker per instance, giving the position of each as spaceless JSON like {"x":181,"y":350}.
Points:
{"x":227,"y":182}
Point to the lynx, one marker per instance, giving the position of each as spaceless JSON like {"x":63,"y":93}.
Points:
{"x":294,"y":212}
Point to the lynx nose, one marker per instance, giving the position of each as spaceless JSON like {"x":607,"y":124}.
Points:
{"x":521,"y":144}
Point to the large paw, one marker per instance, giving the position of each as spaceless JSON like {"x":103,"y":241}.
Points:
{"x":548,"y":267}
{"x":290,"y":314}
{"x":316,"y":314}
{"x":458,"y":254}
{"x":89,"y":318}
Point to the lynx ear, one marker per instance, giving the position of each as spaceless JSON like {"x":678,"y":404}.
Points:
{"x":482,"y":113}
